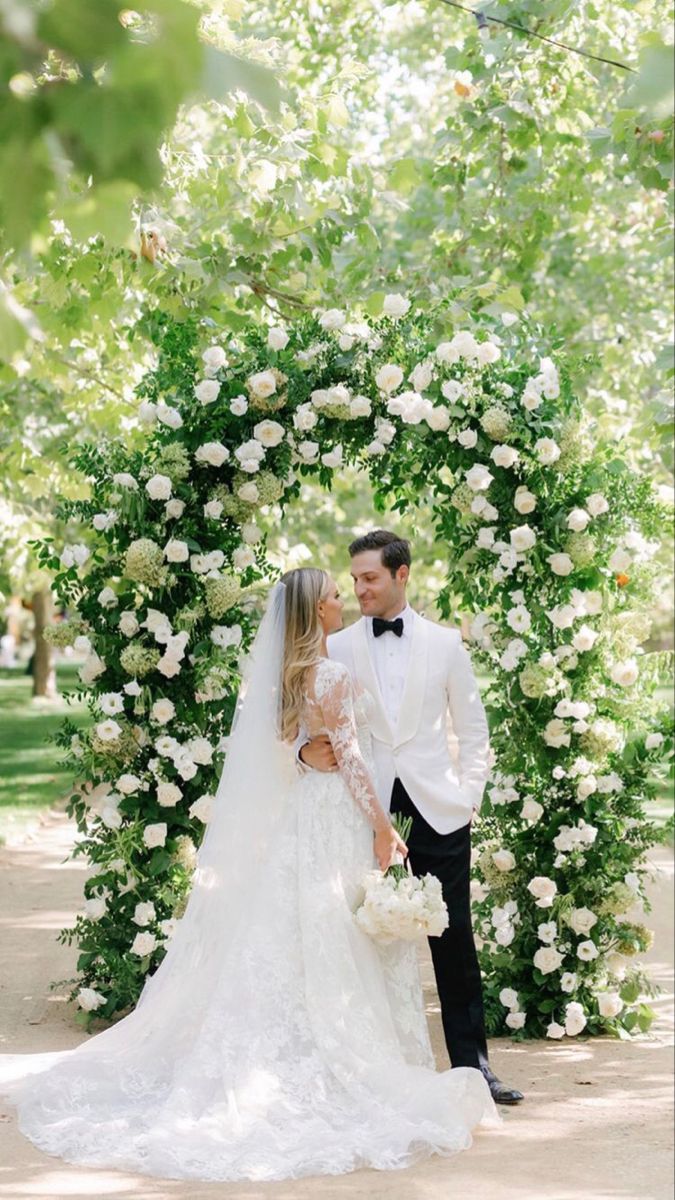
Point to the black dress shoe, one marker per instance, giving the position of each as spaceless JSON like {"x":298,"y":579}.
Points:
{"x":501,"y":1093}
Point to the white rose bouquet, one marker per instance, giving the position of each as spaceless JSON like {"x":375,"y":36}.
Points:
{"x":399,"y":906}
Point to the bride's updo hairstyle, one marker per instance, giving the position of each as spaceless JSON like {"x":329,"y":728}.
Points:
{"x":305,"y":587}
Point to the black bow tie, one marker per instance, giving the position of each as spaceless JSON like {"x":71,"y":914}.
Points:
{"x":380,"y":626}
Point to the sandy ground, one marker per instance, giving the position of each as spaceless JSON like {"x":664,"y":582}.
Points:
{"x":597,"y":1121}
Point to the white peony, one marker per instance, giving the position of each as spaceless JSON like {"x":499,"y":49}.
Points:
{"x":389,"y":377}
{"x":504,"y":456}
{"x":547,"y":959}
{"x":395,"y":306}
{"x":263,"y":384}
{"x":587,"y":951}
{"x":478,"y":478}
{"x":213,"y":453}
{"x":560,"y":564}
{"x":269,"y":433}
{"x":277,"y":338}
{"x":597,"y":504}
{"x":159,"y":487}
{"x":207,"y":391}
{"x":155,"y":835}
{"x":523,"y":538}
{"x":547,"y":451}
{"x":543,"y":889}
{"x":575,"y":1019}
{"x":625,"y":673}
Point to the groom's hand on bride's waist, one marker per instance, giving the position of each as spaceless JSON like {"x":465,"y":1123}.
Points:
{"x":318,"y":754}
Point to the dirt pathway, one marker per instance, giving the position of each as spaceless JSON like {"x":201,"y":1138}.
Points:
{"x":597,"y":1122}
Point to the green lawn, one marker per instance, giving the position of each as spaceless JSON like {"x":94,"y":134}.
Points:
{"x":30,"y":778}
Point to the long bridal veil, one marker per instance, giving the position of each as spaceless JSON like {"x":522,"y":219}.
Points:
{"x":231,"y":876}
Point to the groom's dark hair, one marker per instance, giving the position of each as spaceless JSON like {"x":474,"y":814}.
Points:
{"x":395,"y":550}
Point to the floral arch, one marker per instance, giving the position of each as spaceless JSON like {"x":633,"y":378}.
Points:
{"x":550,"y":540}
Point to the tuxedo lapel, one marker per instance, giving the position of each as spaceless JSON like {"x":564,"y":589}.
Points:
{"x":413,"y":691}
{"x":364,"y":670}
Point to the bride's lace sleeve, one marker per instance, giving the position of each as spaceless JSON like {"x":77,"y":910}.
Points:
{"x":334,"y":696}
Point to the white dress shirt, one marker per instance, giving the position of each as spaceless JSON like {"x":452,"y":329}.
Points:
{"x":391,"y":655}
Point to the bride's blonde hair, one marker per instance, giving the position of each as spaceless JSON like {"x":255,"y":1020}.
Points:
{"x":305,"y":587}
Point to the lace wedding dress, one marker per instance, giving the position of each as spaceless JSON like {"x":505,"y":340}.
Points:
{"x":311,"y":1055}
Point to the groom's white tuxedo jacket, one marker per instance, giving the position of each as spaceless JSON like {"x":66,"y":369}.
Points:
{"x":436,"y":692}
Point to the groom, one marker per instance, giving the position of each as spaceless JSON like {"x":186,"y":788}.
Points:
{"x":417,"y":672}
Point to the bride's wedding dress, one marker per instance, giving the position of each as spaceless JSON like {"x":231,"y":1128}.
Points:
{"x":309,"y":1054}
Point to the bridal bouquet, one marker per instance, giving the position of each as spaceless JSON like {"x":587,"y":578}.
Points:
{"x":398,"y":905}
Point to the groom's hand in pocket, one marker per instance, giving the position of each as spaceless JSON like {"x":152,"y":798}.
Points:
{"x":318,"y":754}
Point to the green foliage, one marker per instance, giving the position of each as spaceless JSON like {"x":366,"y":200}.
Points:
{"x":178,"y":563}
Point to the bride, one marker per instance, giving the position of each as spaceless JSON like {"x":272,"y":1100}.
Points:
{"x":276,"y":1040}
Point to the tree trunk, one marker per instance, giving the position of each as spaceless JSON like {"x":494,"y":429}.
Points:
{"x":44,"y":676}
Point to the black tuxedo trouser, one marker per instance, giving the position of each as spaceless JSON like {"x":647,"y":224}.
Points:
{"x":460,"y":989}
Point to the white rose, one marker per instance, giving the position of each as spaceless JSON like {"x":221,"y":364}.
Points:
{"x":162,"y":711}
{"x":523,"y":538}
{"x":214,"y":358}
{"x":504,"y":456}
{"x":478,"y":478}
{"x":207,"y":391}
{"x":389,"y":377}
{"x":202,"y":808}
{"x":487,"y":353}
{"x":625,"y":673}
{"x":214,"y":453}
{"x":547,"y":932}
{"x":547,"y":451}
{"x":421,"y":376}
{"x":467,"y":438}
{"x":515,"y":1020}
{"x":147,"y":413}
{"x":568,"y":981}
{"x":560,"y":564}
{"x":386,"y":432}
{"x":555,"y":1031}
{"x":176,"y":551}
{"x":375,"y":448}
{"x":543,"y":889}
{"x":345,"y":341}
{"x":597,"y":504}
{"x":547,"y":959}
{"x":155,"y":835}
{"x":238,"y":406}
{"x":277,"y":338}
{"x":486,"y":537}
{"x":586,"y":787}
{"x":144,"y":913}
{"x":89,"y":999}
{"x":168,"y":794}
{"x":360,"y":406}
{"x":452,"y":390}
{"x":438,"y":418}
{"x":531,"y":811}
{"x":213,"y":509}
{"x":125,"y":480}
{"x":333,"y":458}
{"x":575,"y":1019}
{"x":143,"y":944}
{"x":250,"y":533}
{"x":653,"y":741}
{"x":591,"y":602}
{"x":609,"y":1004}
{"x":107,"y":731}
{"x":174,"y":508}
{"x":168,"y":415}
{"x":95,"y":908}
{"x":262,"y":384}
{"x":555,"y":734}
{"x":226,"y":635}
{"x":304,"y":418}
{"x":519,"y":619}
{"x":333,"y":318}
{"x":577,"y":520}
{"x":505,"y":934}
{"x":508,"y":997}
{"x":111,"y":703}
{"x":127,"y":784}
{"x":248,"y":492}
{"x":395,"y":306}
{"x":587,"y":951}
{"x":200,"y":750}
{"x":584,"y":639}
{"x":581,"y":920}
{"x":524,"y":501}
{"x":243,"y":558}
{"x":620,"y":561}
{"x":269,"y":433}
{"x":309,"y":451}
{"x":250,"y":450}
{"x":159,"y":487}
{"x":504,"y":860}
